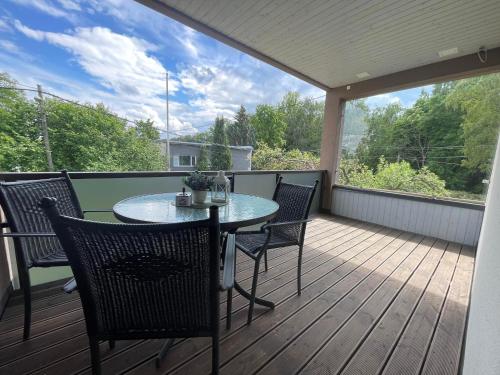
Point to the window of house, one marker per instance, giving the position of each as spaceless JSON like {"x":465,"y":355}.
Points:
{"x":184,"y":161}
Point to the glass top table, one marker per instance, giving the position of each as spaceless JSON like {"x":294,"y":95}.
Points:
{"x":242,"y":210}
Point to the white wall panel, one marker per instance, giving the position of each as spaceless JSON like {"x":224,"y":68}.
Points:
{"x":437,"y":218}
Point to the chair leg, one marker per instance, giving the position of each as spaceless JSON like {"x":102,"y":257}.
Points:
{"x":215,"y":353}
{"x":299,"y":272}
{"x":265,"y":260}
{"x":95,"y":356}
{"x":163,"y":352}
{"x":24,"y":279}
{"x":254,"y":290}
{"x":229,"y":305}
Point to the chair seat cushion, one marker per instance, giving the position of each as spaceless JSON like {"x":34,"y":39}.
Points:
{"x":252,"y":242}
{"x":58,"y":258}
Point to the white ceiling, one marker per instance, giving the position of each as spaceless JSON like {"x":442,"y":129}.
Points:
{"x":333,"y":41}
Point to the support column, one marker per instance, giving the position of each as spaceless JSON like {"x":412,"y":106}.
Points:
{"x":331,"y":144}
{"x":482,"y":345}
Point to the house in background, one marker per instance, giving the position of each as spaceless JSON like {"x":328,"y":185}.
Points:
{"x":184,"y":155}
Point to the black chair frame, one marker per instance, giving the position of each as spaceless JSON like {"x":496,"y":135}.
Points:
{"x":269,"y":228}
{"x":17,"y":234}
{"x":92,"y":301}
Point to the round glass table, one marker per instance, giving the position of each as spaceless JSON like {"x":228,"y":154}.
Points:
{"x":242,"y":210}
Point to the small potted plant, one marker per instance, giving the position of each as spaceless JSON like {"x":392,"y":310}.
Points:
{"x":200,"y":184}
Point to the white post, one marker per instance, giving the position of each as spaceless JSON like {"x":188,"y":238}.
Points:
{"x":482,"y":345}
{"x":331,"y":140}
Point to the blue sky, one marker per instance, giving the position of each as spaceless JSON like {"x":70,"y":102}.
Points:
{"x":118,"y":52}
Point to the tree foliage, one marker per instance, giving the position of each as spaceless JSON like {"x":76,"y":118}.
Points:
{"x":267,"y":158}
{"x":82,"y":138}
{"x":479,"y":100}
{"x":21,"y":145}
{"x":220,"y":156}
{"x":304,"y":121}
{"x":391,"y":176}
{"x":452,"y":131}
{"x":203,"y":161}
{"x":269,"y":126}
{"x":240,"y":132}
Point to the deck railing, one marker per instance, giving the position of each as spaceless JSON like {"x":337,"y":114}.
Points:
{"x":448,"y":219}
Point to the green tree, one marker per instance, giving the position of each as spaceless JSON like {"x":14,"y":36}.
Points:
{"x":266,"y":158}
{"x":398,"y":176}
{"x":240,"y":132}
{"x":380,"y":138}
{"x":21,"y":144}
{"x":269,"y":126}
{"x":200,"y":137}
{"x":479,"y":99}
{"x":304,"y":121}
{"x":91,"y":138}
{"x":203,"y":161}
{"x":220,"y":156}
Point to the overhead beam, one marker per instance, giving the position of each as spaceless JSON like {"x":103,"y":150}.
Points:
{"x":447,"y":70}
{"x":183,"y":18}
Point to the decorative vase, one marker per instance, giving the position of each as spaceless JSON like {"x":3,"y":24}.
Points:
{"x":199,"y":196}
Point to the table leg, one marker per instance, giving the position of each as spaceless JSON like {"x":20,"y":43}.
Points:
{"x":239,"y":289}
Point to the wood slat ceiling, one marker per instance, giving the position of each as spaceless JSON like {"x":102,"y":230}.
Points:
{"x":329,"y":42}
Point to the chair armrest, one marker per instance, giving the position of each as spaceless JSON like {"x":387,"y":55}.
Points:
{"x":282,"y":223}
{"x":229,"y":263}
{"x":22,"y":234}
{"x":96,"y":211}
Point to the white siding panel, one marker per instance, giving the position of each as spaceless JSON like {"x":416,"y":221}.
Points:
{"x":437,"y":219}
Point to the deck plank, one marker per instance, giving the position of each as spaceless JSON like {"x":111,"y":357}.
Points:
{"x":307,"y":329}
{"x":376,"y":348}
{"x":444,"y":353}
{"x":411,"y":349}
{"x":374,"y":299}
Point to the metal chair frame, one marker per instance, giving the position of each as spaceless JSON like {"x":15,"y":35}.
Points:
{"x":145,"y":256}
{"x":9,"y":193}
{"x":270,"y":229}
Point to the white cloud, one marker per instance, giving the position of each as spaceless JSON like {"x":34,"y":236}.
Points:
{"x":118,"y":62}
{"x":4,"y":26}
{"x":44,"y":6}
{"x":7,"y":45}
{"x":382,"y":100}
{"x":70,"y":5}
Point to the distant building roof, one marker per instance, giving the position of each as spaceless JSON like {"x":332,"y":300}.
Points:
{"x":248,"y":148}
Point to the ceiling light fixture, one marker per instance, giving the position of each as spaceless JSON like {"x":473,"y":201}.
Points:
{"x":363,"y":75}
{"x":448,"y":52}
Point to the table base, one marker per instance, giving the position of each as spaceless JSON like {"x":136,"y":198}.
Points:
{"x":247,"y":295}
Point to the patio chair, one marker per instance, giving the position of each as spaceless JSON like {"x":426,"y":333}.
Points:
{"x":35,"y":243}
{"x":286,"y":229}
{"x":144,"y":281}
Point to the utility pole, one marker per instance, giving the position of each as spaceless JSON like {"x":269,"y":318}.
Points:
{"x":168,"y":124}
{"x":45,"y":132}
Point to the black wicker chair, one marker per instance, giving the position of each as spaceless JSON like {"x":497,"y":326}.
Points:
{"x":144,"y":281}
{"x":34,"y":241}
{"x":286,"y":229}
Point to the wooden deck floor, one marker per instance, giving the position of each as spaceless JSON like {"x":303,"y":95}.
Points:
{"x":374,"y":301}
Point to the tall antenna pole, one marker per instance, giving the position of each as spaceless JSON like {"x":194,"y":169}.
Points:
{"x":168,"y":124}
{"x":45,"y":132}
